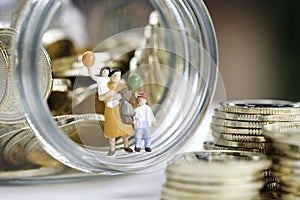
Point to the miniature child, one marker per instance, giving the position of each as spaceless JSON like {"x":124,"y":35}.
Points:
{"x":101,"y":80}
{"x":143,"y":120}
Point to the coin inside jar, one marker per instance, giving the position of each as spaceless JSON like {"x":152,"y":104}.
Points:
{"x":10,"y":107}
{"x":4,"y":79}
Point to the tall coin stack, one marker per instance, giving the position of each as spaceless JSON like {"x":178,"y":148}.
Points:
{"x":238,"y":125}
{"x":214,"y":175}
{"x":285,"y":138}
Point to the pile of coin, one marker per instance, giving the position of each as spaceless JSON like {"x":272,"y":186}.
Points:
{"x":214,"y":175}
{"x":286,"y":157}
{"x":238,"y":125}
{"x":22,"y":156}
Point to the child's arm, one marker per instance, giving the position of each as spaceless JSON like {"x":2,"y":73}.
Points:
{"x":92,"y":75}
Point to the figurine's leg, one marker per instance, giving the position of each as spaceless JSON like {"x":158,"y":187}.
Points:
{"x":147,"y":138}
{"x":112,"y":144}
{"x":126,"y":147}
{"x":138,"y":139}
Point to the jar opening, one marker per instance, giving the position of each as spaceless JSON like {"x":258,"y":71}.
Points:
{"x":174,"y":54}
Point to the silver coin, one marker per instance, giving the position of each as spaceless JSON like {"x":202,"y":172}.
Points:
{"x":230,"y":130}
{"x":6,"y":128}
{"x":238,"y":138}
{"x":5,"y":80}
{"x":238,"y":124}
{"x":247,"y":145}
{"x":217,"y":161}
{"x":11,"y":111}
{"x":181,"y":194}
{"x":5,"y":138}
{"x":215,"y":189}
{"x":255,"y":117}
{"x":262,"y":107}
{"x":210,"y":145}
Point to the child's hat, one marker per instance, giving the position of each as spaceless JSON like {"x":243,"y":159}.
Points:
{"x":143,"y":95}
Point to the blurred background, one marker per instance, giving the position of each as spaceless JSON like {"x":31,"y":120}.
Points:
{"x":258,"y":47}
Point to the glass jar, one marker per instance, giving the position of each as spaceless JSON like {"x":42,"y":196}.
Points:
{"x":175,"y":54}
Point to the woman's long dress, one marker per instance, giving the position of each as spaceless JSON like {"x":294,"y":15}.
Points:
{"x":113,"y":126}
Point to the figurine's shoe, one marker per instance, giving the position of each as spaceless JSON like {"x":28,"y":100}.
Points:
{"x":137,"y":149}
{"x":148,"y":149}
{"x":111,"y":152}
{"x":128,"y":149}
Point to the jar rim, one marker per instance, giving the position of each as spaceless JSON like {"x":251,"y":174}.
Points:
{"x":59,"y":145}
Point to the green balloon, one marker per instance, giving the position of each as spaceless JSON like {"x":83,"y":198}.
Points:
{"x":134,"y":81}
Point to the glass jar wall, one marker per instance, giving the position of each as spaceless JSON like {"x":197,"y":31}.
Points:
{"x":170,"y":44}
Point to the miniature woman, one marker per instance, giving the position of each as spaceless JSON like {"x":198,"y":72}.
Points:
{"x":113,"y":126}
{"x":143,"y":120}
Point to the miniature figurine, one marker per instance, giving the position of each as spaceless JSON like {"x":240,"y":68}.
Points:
{"x":113,"y":126}
{"x":101,"y":80}
{"x":143,"y":120}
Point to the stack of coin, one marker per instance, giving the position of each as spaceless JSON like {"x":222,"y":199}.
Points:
{"x":237,"y":125}
{"x":285,"y":138}
{"x":214,"y":175}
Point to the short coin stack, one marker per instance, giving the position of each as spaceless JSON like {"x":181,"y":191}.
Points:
{"x":238,"y":125}
{"x":285,"y":138}
{"x":214,"y":175}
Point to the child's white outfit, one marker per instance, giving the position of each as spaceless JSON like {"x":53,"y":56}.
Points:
{"x":143,"y":120}
{"x":102,"y":85}
{"x":102,"y":88}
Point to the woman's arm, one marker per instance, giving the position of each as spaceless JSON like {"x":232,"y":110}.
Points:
{"x":110,"y":96}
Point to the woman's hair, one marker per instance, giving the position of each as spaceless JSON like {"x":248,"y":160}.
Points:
{"x":114,"y":71}
{"x":104,"y":68}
